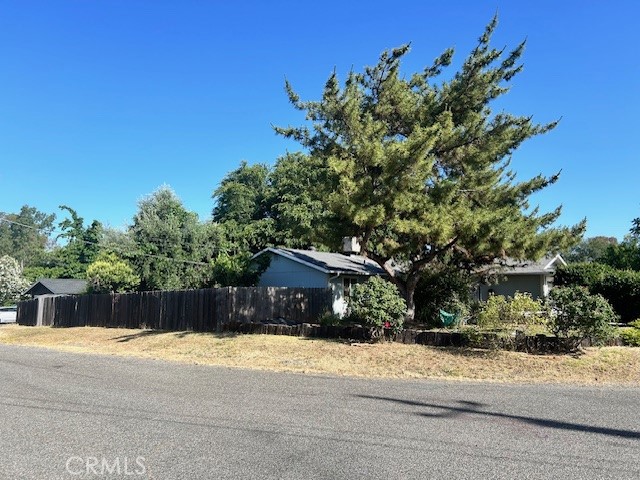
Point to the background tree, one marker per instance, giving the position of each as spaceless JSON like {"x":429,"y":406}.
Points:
{"x":258,"y":206}
{"x":591,"y":249}
{"x":110,"y":274}
{"x":172,"y":251}
{"x":626,"y":254}
{"x":422,"y":169}
{"x":25,"y":235}
{"x":12,"y":282}
{"x":81,"y":247}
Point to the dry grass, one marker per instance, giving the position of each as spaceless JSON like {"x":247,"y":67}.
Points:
{"x":611,"y":365}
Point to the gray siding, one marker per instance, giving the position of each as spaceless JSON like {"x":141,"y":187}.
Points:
{"x":283,"y":272}
{"x":532,"y":284}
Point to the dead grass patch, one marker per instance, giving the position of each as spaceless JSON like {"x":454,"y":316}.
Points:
{"x":609,"y":365}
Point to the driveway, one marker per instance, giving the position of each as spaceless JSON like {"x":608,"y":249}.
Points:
{"x":89,"y":416}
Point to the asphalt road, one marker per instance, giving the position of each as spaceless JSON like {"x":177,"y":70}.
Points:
{"x":88,"y":416}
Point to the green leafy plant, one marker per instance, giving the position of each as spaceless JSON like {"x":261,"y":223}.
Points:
{"x":111,"y":274}
{"x":519,"y":311}
{"x":631,"y":335}
{"x":577,"y":314}
{"x":377,"y":304}
{"x":330,"y":319}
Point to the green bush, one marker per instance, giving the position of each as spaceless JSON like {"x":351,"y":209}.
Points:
{"x":377,"y":304}
{"x":447,"y":289}
{"x":521,"y":310}
{"x":630,"y":336}
{"x":582,"y":274}
{"x":577,"y":314}
{"x":330,"y":318}
{"x":621,"y":288}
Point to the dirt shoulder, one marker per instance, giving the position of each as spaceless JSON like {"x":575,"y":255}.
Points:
{"x":609,"y":365}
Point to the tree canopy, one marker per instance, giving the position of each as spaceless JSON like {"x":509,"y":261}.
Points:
{"x":172,"y":251}
{"x":12,"y":282}
{"x":421,"y":170}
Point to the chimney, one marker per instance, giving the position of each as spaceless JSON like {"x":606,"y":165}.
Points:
{"x":350,"y":246}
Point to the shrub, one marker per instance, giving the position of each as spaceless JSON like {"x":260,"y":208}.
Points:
{"x":108,"y":273}
{"x":577,"y":314}
{"x":377,"y":304}
{"x":447,"y":289}
{"x":329,"y":318}
{"x":630,"y":336}
{"x":582,"y":274}
{"x":621,"y":288}
{"x":521,"y":310}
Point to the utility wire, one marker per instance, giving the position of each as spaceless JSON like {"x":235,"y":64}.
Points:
{"x":109,"y":247}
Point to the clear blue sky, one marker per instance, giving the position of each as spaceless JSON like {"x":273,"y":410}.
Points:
{"x":103,"y":101}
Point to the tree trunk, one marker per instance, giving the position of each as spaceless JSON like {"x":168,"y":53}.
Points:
{"x":408,"y":292}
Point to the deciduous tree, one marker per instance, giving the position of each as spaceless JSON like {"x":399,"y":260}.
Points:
{"x":12,"y":282}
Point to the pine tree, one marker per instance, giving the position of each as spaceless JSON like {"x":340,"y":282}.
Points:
{"x":421,"y":169}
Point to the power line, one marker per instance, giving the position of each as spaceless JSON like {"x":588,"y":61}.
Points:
{"x":109,"y":247}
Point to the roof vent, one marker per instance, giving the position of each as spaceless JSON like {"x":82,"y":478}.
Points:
{"x":350,"y":246}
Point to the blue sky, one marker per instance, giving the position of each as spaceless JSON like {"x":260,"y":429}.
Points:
{"x":104,"y":101}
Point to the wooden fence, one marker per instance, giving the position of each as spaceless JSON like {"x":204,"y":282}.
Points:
{"x":204,"y":310}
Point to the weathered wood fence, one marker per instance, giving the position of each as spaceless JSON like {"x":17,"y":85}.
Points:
{"x":205,"y":310}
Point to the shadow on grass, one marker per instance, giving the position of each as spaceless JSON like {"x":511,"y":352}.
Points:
{"x":474,"y":408}
{"x":182,"y":334}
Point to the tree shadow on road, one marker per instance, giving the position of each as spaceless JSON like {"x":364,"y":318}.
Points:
{"x":474,"y":408}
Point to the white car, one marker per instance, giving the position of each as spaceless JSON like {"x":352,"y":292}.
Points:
{"x":8,"y":314}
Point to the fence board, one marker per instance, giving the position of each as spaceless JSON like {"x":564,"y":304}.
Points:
{"x":205,"y":310}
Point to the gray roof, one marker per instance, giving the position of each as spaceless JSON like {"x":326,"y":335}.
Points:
{"x":545,"y":265}
{"x":329,"y":262}
{"x":61,"y":286}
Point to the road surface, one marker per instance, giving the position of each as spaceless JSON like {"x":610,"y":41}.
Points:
{"x":89,"y":416}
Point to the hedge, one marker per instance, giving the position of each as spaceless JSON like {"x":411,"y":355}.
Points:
{"x":620,"y":287}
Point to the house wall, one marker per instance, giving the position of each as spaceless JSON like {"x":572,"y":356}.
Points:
{"x":283,"y":272}
{"x":533,"y":284}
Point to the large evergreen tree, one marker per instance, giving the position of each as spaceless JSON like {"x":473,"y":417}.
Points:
{"x":171,"y":248}
{"x":421,"y":169}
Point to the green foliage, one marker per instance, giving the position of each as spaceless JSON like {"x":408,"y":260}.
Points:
{"x":519,"y":311}
{"x":591,"y":249}
{"x":621,"y":288}
{"x":330,"y":319}
{"x":577,"y":314}
{"x":82,"y":245}
{"x":582,"y":274}
{"x":259,"y":207}
{"x":26,"y":237}
{"x":238,"y":270}
{"x":624,"y":256}
{"x":377,"y":303}
{"x":12,"y":282}
{"x":447,"y":288}
{"x":630,"y":336}
{"x":110,"y":274}
{"x":172,"y":249}
{"x":33,"y":274}
{"x":419,"y":169}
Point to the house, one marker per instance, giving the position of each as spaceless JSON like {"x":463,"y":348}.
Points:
{"x":57,"y":286}
{"x":531,"y":277}
{"x":290,"y":267}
